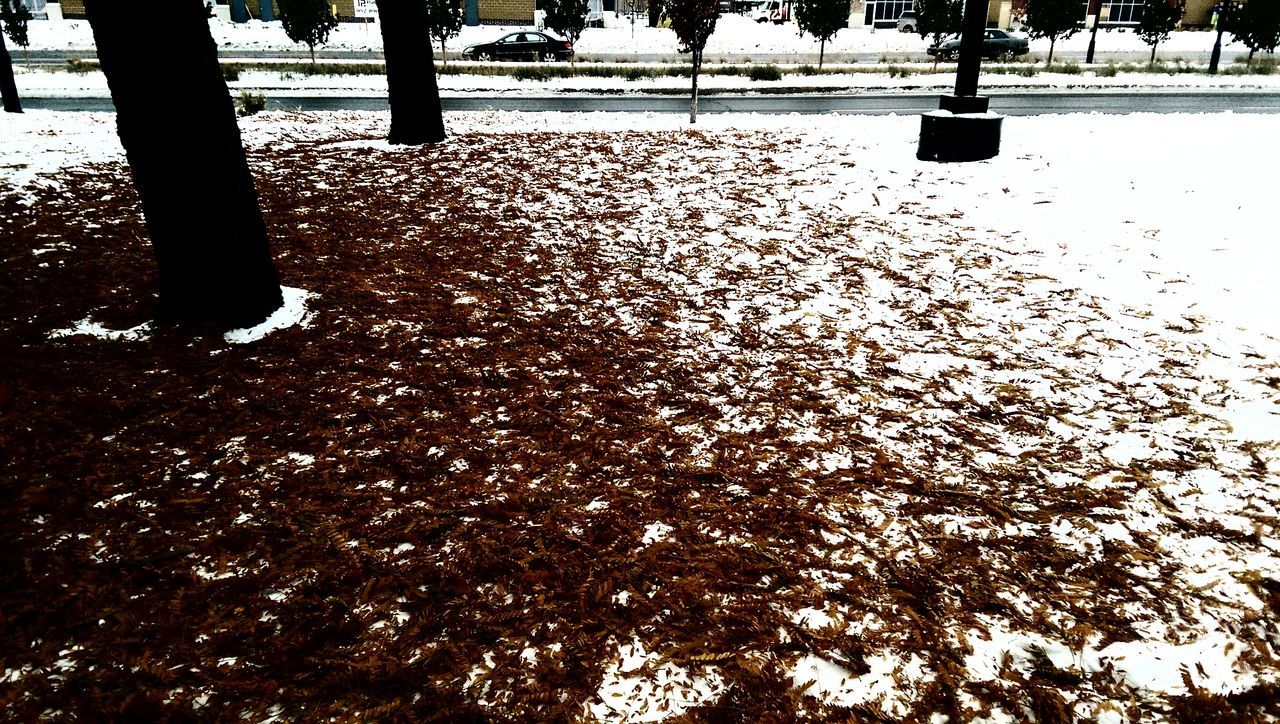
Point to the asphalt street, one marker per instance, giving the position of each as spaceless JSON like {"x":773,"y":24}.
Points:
{"x":60,"y":57}
{"x":1012,"y":103}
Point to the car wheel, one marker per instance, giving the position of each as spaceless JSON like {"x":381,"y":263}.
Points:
{"x":951,"y":55}
{"x":908,"y":28}
{"x":484,"y":57}
{"x":549,"y":57}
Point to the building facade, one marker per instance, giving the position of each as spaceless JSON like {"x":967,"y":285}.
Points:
{"x":489,"y":12}
{"x":1005,"y":13}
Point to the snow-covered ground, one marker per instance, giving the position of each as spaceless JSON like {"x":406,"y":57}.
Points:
{"x":1088,"y":316}
{"x":735,"y":37}
{"x":40,"y":82}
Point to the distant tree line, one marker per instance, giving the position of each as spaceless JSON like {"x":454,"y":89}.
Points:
{"x":1255,"y":23}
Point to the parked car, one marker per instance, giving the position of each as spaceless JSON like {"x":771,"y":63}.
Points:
{"x":907,"y":22}
{"x":773,"y":11}
{"x":522,"y":45}
{"x":995,"y":44}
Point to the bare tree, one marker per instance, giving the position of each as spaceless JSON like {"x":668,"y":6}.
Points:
{"x":694,"y":21}
{"x":416,"y":114}
{"x":178,"y":128}
{"x":14,"y":15}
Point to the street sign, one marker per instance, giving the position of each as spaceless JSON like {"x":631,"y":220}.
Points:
{"x":366,"y":9}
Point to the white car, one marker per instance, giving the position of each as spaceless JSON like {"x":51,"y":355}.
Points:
{"x":772,"y":11}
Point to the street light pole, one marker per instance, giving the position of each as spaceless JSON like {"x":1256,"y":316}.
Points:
{"x":975,"y":23}
{"x":962,"y":129}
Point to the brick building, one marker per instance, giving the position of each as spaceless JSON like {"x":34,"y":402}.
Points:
{"x":489,"y":12}
{"x":1001,"y":13}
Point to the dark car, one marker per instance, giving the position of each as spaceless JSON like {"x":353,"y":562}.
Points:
{"x":522,"y":45}
{"x":995,"y":44}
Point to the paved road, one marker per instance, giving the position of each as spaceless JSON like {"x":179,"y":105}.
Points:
{"x":60,"y":57}
{"x":1019,"y":103}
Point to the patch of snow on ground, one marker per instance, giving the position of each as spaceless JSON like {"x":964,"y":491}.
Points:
{"x":90,"y":328}
{"x":639,"y":687}
{"x":292,"y":312}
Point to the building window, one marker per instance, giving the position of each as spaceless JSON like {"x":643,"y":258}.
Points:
{"x":1123,"y":11}
{"x":889,"y":10}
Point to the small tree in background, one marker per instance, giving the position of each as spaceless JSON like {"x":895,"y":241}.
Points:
{"x":822,"y":19}
{"x":566,"y":17}
{"x":1257,"y":24}
{"x":1159,"y":18}
{"x":939,"y":18}
{"x":693,"y":21}
{"x":444,"y":21}
{"x":1053,"y":19}
{"x":14,"y":15}
{"x":307,"y":21}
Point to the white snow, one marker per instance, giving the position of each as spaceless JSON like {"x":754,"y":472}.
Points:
{"x":638,"y":687}
{"x":90,"y":328}
{"x":292,"y":312}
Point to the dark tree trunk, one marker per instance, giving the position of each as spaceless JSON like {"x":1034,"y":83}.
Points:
{"x":822,"y":50}
{"x":655,"y":14}
{"x":1153,"y":54}
{"x":416,"y":116}
{"x":178,"y":128}
{"x":693,"y":97}
{"x":1052,"y":42}
{"x":8,"y":88}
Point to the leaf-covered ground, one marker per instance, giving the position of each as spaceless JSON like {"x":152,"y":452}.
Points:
{"x":624,"y":426}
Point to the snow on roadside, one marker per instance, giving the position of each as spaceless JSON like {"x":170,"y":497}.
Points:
{"x":44,"y":83}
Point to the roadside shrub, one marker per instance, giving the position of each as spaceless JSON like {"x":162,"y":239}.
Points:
{"x":1266,"y":66}
{"x":75,"y":65}
{"x":530,"y":73}
{"x":765,"y":72}
{"x":230,"y":73}
{"x":251,"y":103}
{"x":807,"y":70}
{"x":1107,"y":71}
{"x":1068,"y":68}
{"x":638,"y":73}
{"x":897,"y":71}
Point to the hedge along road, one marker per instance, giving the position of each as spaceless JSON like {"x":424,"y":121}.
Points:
{"x":1016,"y":103}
